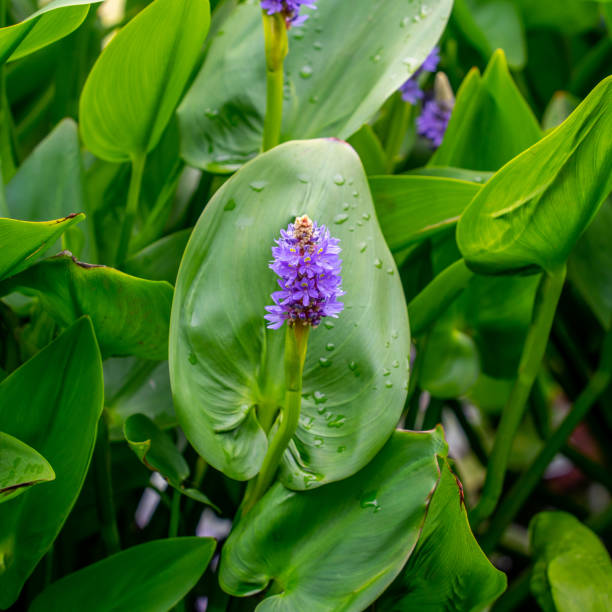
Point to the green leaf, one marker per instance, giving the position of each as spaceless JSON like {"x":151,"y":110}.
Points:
{"x":567,"y":16}
{"x":492,"y":25}
{"x":359,"y":531}
{"x":157,"y":451}
{"x":24,"y":242}
{"x":450,"y":364}
{"x":136,"y":83}
{"x":370,"y":150}
{"x":589,"y":267}
{"x":447,"y":556}
{"x":412,"y":208}
{"x":491,"y":122}
{"x":226,"y":368}
{"x":49,"y":184}
{"x":63,"y":387}
{"x":130,"y":315}
{"x":133,"y":386}
{"x":151,"y":577}
{"x":20,"y":467}
{"x":573,"y":570}
{"x":532,"y":212}
{"x":56,"y":20}
{"x":375,"y":47}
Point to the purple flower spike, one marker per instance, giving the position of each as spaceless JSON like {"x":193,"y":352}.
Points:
{"x":436,"y":113}
{"x":411,"y":92}
{"x":290,"y":9}
{"x":307,"y":263}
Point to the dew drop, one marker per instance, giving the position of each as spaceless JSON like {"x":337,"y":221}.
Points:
{"x":362,"y":247}
{"x":329,"y":324}
{"x":303,"y":178}
{"x":338,"y":421}
{"x":306,"y":71}
{"x":339,"y":179}
{"x":258,"y":185}
{"x":345,"y":206}
{"x":390,"y":271}
{"x":192,"y":359}
{"x":368,"y":500}
{"x":313,"y":99}
{"x":330,"y":346}
{"x":324,"y":362}
{"x":378,"y":263}
{"x":307,"y":423}
{"x":340,"y":219}
{"x":319,"y":398}
{"x":386,"y":372}
{"x":351,"y":229}
{"x":395,"y":364}
{"x":366,"y":216}
{"x":353,"y":366}
{"x":231,"y":204}
{"x":318,"y":45}
{"x":341,"y":449}
{"x":395,"y":334}
{"x":318,"y":442}
{"x":211,"y":113}
{"x":404,"y":22}
{"x":410,"y":63}
{"x":355,"y":194}
{"x":388,"y":384}
{"x":298,"y":34}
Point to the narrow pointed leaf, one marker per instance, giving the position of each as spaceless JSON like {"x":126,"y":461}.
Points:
{"x":24,"y":242}
{"x":375,"y":47}
{"x":338,"y":547}
{"x":136,"y":83}
{"x":491,"y":122}
{"x":20,"y":467}
{"x":532,"y":212}
{"x":63,"y":388}
{"x":56,"y":20}
{"x":151,"y":577}
{"x":225,"y":366}
{"x":130,"y":315}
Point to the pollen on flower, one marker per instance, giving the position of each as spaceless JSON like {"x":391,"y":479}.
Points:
{"x":289,"y":9}
{"x":307,"y":263}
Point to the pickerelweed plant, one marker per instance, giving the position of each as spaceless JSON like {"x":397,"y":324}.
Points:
{"x":304,"y":265}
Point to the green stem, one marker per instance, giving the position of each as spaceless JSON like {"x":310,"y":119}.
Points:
{"x":470,"y":433}
{"x":295,"y":353}
{"x":433,"y":414}
{"x":398,"y":125}
{"x":138,"y":165}
{"x":525,"y":485}
{"x":545,"y":306}
{"x":429,"y":305}
{"x":277,"y":45}
{"x":104,"y":489}
{"x":175,"y":514}
{"x":7,"y":159}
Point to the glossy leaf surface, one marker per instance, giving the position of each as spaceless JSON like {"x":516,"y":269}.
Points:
{"x":532,"y":212}
{"x":151,"y":577}
{"x":573,"y":570}
{"x":412,"y":208}
{"x":130,"y":315}
{"x":491,"y":112}
{"x":59,"y":395}
{"x":52,"y":22}
{"x":225,"y":365}
{"x":375,"y":46}
{"x":448,"y":556}
{"x":136,"y":83}
{"x":20,"y":467}
{"x":24,"y":242}
{"x":336,"y":548}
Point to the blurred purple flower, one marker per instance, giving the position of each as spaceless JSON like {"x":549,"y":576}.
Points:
{"x":411,"y":92}
{"x":436,"y":111}
{"x":290,"y":9}
{"x":306,"y":260}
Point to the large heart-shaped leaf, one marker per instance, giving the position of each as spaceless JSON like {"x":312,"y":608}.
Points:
{"x":224,"y":364}
{"x":338,"y":547}
{"x":20,"y":467}
{"x":56,"y":20}
{"x":491,"y":123}
{"x":24,"y":242}
{"x":135,"y":85}
{"x":151,"y":577}
{"x":447,"y":556}
{"x":375,"y":46}
{"x":130,"y":315}
{"x":573,"y":570}
{"x":532,"y":212}
{"x":412,"y":208}
{"x":53,"y":404}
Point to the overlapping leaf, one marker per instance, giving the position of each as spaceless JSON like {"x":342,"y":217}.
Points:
{"x":151,"y":577}
{"x":375,"y":47}
{"x":20,"y":467}
{"x":130,"y":315}
{"x":51,"y":403}
{"x":224,"y":363}
{"x":135,"y":85}
{"x":532,"y":212}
